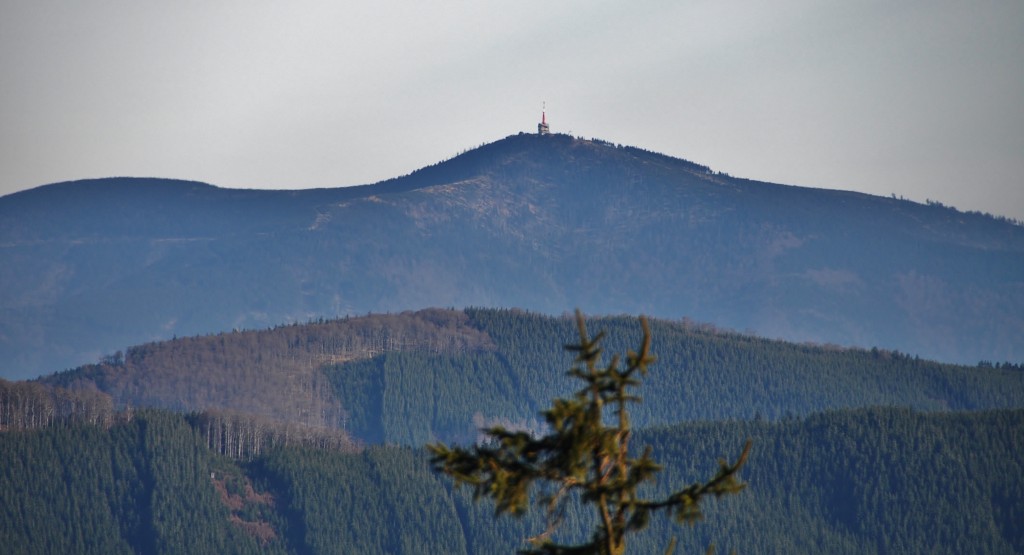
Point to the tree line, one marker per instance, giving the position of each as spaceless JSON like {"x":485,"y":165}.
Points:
{"x":32,"y":405}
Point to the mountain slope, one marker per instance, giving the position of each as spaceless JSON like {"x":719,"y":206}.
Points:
{"x":414,"y":378}
{"x":543,"y":223}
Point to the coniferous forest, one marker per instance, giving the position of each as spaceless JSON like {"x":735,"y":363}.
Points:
{"x":881,"y":480}
{"x":180,"y":446}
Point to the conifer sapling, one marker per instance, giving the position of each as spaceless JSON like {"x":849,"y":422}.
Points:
{"x":586,"y":453}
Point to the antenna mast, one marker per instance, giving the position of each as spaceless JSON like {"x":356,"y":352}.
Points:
{"x":542,"y":127}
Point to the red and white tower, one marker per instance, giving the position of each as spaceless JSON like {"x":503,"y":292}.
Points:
{"x":542,"y":127}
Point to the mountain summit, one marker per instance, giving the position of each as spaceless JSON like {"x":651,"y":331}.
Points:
{"x":541,"y":222}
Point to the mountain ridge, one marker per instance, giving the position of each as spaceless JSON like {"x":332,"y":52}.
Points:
{"x":439,"y":374}
{"x":546,"y":223}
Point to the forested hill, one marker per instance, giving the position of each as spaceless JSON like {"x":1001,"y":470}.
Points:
{"x":545,"y":223}
{"x":855,"y":451}
{"x":435,"y":374}
{"x":870,"y":481}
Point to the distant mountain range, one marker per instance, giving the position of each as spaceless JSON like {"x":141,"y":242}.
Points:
{"x":545,"y":223}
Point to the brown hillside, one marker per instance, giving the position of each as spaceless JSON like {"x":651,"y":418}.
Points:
{"x":274,"y":373}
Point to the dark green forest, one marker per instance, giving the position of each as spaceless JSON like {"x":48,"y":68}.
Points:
{"x":309,"y":439}
{"x":412,"y":397}
{"x":852,"y":481}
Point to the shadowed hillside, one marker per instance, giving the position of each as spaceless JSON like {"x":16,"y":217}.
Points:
{"x":543,"y":223}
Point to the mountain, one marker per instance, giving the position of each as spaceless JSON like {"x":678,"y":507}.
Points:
{"x":545,"y":223}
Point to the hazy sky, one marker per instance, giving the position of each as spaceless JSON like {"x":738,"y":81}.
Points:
{"x":924,"y":99}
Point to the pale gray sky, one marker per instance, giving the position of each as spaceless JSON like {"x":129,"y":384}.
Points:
{"x":924,"y":99}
